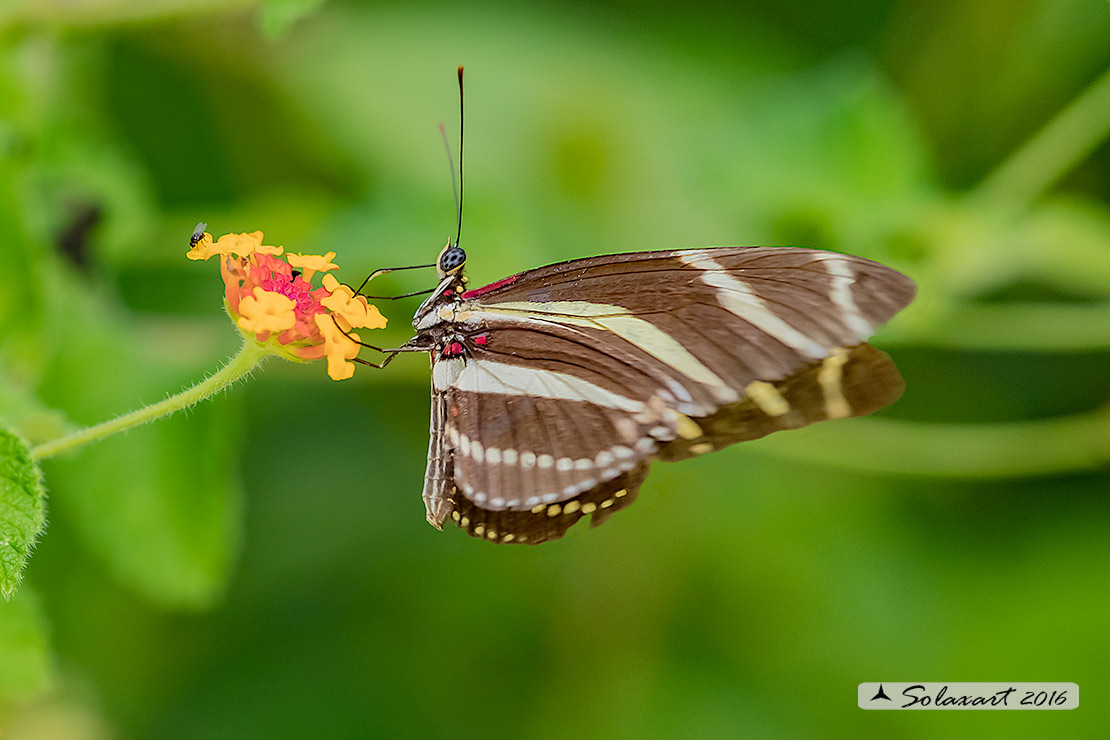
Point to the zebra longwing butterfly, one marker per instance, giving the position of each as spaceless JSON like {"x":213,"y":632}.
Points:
{"x":554,"y":389}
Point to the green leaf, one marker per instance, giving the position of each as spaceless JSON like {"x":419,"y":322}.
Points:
{"x":25,"y":669}
{"x":22,"y":509}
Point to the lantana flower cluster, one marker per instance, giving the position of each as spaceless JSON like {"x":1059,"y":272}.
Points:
{"x":269,"y":296}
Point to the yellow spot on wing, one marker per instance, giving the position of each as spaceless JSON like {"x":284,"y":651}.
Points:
{"x":767,"y":398}
{"x":687,"y":428}
{"x":830,"y":378}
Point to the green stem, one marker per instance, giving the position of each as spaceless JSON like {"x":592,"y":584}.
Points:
{"x":239,"y":366}
{"x":1064,"y":141}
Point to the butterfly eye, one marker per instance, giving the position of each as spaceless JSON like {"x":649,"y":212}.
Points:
{"x":451,"y":260}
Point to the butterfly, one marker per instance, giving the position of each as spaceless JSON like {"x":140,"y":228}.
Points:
{"x":553,"y":390}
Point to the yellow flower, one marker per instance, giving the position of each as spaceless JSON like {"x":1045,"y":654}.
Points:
{"x":266,"y":311}
{"x":312,"y":263}
{"x":240,"y":245}
{"x":275,"y":308}
{"x":339,"y":348}
{"x":203,"y":248}
{"x":354,"y":310}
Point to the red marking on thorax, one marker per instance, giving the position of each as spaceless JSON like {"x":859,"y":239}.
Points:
{"x":481,"y":339}
{"x":489,"y":288}
{"x":454,"y":349}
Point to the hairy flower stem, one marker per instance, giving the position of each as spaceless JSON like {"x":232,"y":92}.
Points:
{"x":249,"y":357}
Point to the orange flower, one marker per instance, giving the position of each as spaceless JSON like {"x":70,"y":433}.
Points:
{"x":277,"y":308}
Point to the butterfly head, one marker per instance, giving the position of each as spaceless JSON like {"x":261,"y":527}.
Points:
{"x":450,"y":261}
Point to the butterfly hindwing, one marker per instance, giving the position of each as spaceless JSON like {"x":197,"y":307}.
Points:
{"x":850,"y":382}
{"x":545,"y":522}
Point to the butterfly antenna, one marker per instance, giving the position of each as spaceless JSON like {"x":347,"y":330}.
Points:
{"x":386,"y":270}
{"x":459,"y":200}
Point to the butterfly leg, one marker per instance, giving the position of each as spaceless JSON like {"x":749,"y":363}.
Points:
{"x":385,"y":362}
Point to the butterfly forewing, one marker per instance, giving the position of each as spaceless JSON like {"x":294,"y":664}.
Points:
{"x":557,"y":387}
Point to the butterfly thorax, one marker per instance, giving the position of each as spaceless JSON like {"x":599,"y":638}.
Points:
{"x":449,"y":327}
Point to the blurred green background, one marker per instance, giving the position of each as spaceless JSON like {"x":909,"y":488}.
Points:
{"x":260,"y":567}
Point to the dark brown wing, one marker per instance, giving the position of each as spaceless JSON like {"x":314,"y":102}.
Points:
{"x":746,"y":313}
{"x":549,"y":521}
{"x":529,"y":433}
{"x":855,"y":382}
{"x":789,"y":276}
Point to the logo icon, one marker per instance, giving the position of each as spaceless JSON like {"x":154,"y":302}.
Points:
{"x":881,"y":694}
